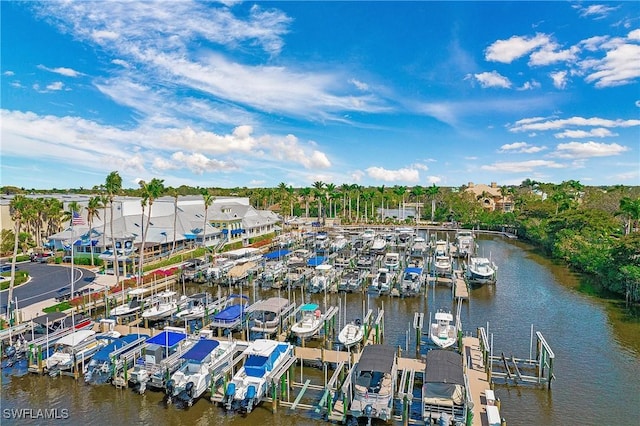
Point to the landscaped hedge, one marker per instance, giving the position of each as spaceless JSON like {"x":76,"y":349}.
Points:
{"x":21,"y":278}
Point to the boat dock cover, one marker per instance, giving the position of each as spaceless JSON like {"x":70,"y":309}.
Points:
{"x":413,"y":271}
{"x":276,"y":254}
{"x":443,"y":367}
{"x":167,"y":338}
{"x":309,"y":307}
{"x":201,"y":350}
{"x":377,"y":358}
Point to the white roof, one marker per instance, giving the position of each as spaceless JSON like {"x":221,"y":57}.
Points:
{"x":443,"y":316}
{"x":323,"y":267}
{"x":262,"y":347}
{"x":137,"y":291}
{"x":75,"y":337}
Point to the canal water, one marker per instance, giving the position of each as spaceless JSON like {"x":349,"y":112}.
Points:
{"x":597,"y":364}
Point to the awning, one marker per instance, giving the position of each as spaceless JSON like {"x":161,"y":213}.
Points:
{"x":276,"y":254}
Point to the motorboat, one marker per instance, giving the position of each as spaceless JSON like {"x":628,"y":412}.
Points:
{"x":351,"y":280}
{"x":465,"y":243}
{"x":411,"y":282}
{"x":310,"y":321}
{"x":344,"y":260}
{"x":419,"y":247}
{"x":263,"y":360}
{"x":230,"y":318}
{"x":383,"y":281}
{"x":373,"y":381}
{"x":267,"y":315}
{"x":378,"y":245}
{"x":161,"y":354}
{"x":445,"y":393}
{"x":442,"y":261}
{"x":197,"y":306}
{"x":392,"y":261}
{"x":364,"y":261}
{"x":443,"y":331}
{"x":351,"y":334}
{"x":166,"y":304}
{"x":298,"y":258}
{"x":368,"y":235}
{"x":202,"y":363}
{"x":322,"y":279}
{"x":135,"y":303}
{"x":273,"y":272}
{"x":339,"y":242}
{"x":77,"y":347}
{"x":102,"y":365}
{"x":481,"y":271}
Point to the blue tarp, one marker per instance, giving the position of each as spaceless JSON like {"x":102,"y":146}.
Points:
{"x":315,"y":261}
{"x":103,"y":354}
{"x":167,"y":338}
{"x":229,"y":314}
{"x":413,"y":271}
{"x":276,"y":254}
{"x":201,"y":350}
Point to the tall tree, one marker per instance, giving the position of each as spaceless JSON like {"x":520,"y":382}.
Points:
{"x":318,"y":186}
{"x":305,"y":193}
{"x":381,"y":191}
{"x":400,"y":191}
{"x":150,"y":192}
{"x":17,"y":207}
{"x":113,"y":186}
{"x":631,"y":210}
{"x":93,"y":207}
{"x":432,"y":193}
{"x":207,"y":200}
{"x":417,"y":192}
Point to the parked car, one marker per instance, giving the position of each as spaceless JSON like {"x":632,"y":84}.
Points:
{"x":6,"y":267}
{"x":63,"y":294}
{"x":43,"y":257}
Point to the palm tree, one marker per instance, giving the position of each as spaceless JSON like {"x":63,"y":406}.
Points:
{"x":329,"y":193}
{"x":366,"y":196}
{"x":208,"y":200}
{"x":150,"y":192}
{"x":17,"y":207}
{"x":113,"y":185}
{"x":417,"y":192}
{"x":432,"y":193}
{"x":174,"y":193}
{"x":318,"y":193}
{"x":358,"y":190}
{"x":93,"y":206}
{"x":400,"y":191}
{"x":346,"y":188}
{"x":305,"y":193}
{"x":290,"y":193}
{"x":381,"y":191}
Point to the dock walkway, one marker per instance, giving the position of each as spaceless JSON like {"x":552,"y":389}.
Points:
{"x":477,"y":379}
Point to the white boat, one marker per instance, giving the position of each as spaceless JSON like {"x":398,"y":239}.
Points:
{"x":481,"y":271}
{"x":198,"y":306}
{"x":465,"y":243}
{"x":442,"y":260}
{"x":339,"y":242}
{"x":351,"y":280}
{"x":135,"y":303}
{"x":161,"y":355}
{"x":77,"y":347}
{"x":351,"y":334}
{"x":368,"y":235}
{"x":378,"y":245}
{"x":267,"y":315}
{"x":411,"y":282}
{"x":202,"y":363}
{"x":231,"y":316}
{"x":310,"y":321}
{"x":373,"y":381}
{"x":392,"y":261}
{"x":250,"y":384}
{"x":103,"y":364}
{"x":419,"y":247}
{"x":298,"y":258}
{"x":383,"y":281}
{"x":166,"y":305}
{"x":321,"y":242}
{"x":445,"y":397}
{"x":273,"y":272}
{"x":443,"y":331}
{"x":322,"y":279}
{"x":364,"y":261}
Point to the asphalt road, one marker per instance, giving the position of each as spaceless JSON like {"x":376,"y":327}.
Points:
{"x":46,"y":280}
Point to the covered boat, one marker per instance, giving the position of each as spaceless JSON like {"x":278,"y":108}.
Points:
{"x":445,"y":391}
{"x":231,"y":317}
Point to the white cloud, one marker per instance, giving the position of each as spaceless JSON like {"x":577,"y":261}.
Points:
{"x":521,"y":148}
{"x":8,"y":73}
{"x":588,"y":149}
{"x":67,"y":72}
{"x":102,"y":35}
{"x":550,"y":55}
{"x":598,"y":11}
{"x":434,"y":179}
{"x":357,"y":175}
{"x":409,"y":175}
{"x":599,"y":132}
{"x":359,"y":84}
{"x":492,"y":79}
{"x":529,"y":85}
{"x":634,"y":35}
{"x":539,"y":123}
{"x":559,"y":79}
{"x":420,"y":166}
{"x":506,"y":51}
{"x":594,"y":43}
{"x":522,"y":166}
{"x":57,"y":85}
{"x":122,"y":63}
{"x":618,"y":67}
{"x":199,"y":163}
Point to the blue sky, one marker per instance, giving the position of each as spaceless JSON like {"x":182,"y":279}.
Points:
{"x":235,"y":94}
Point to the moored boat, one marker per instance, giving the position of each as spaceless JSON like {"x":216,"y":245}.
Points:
{"x":310,"y":321}
{"x":442,"y":331}
{"x":351,"y":334}
{"x":481,"y":270}
{"x":373,"y":381}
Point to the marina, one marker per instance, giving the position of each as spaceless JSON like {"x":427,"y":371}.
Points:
{"x":321,"y":367}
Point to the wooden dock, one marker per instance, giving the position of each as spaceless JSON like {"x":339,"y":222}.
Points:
{"x":477,"y":379}
{"x":460,"y":289}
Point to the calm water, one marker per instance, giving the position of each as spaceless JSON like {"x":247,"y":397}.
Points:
{"x":598,"y":373}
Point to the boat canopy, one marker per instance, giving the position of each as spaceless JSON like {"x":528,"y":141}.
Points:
{"x":75,"y":337}
{"x":201,"y":350}
{"x":309,"y":307}
{"x":276,"y":254}
{"x":273,"y":304}
{"x":230,"y":313}
{"x":167,"y":338}
{"x":413,"y":271}
{"x":315,"y":261}
{"x":443,"y":367}
{"x":103,"y":355}
{"x":377,"y":358}
{"x":262,"y":357}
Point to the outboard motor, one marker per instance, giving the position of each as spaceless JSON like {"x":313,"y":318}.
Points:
{"x":368,"y":411}
{"x":10,"y":351}
{"x":188,"y":389}
{"x":169,"y":390}
{"x":251,"y":394}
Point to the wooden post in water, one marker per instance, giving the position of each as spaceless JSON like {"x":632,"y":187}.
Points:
{"x":274,"y":397}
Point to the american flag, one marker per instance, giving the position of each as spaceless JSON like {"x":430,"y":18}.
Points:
{"x":76,"y":219}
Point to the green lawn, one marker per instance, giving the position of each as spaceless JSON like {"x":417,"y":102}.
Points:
{"x":21,"y":278}
{"x":57,"y":308}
